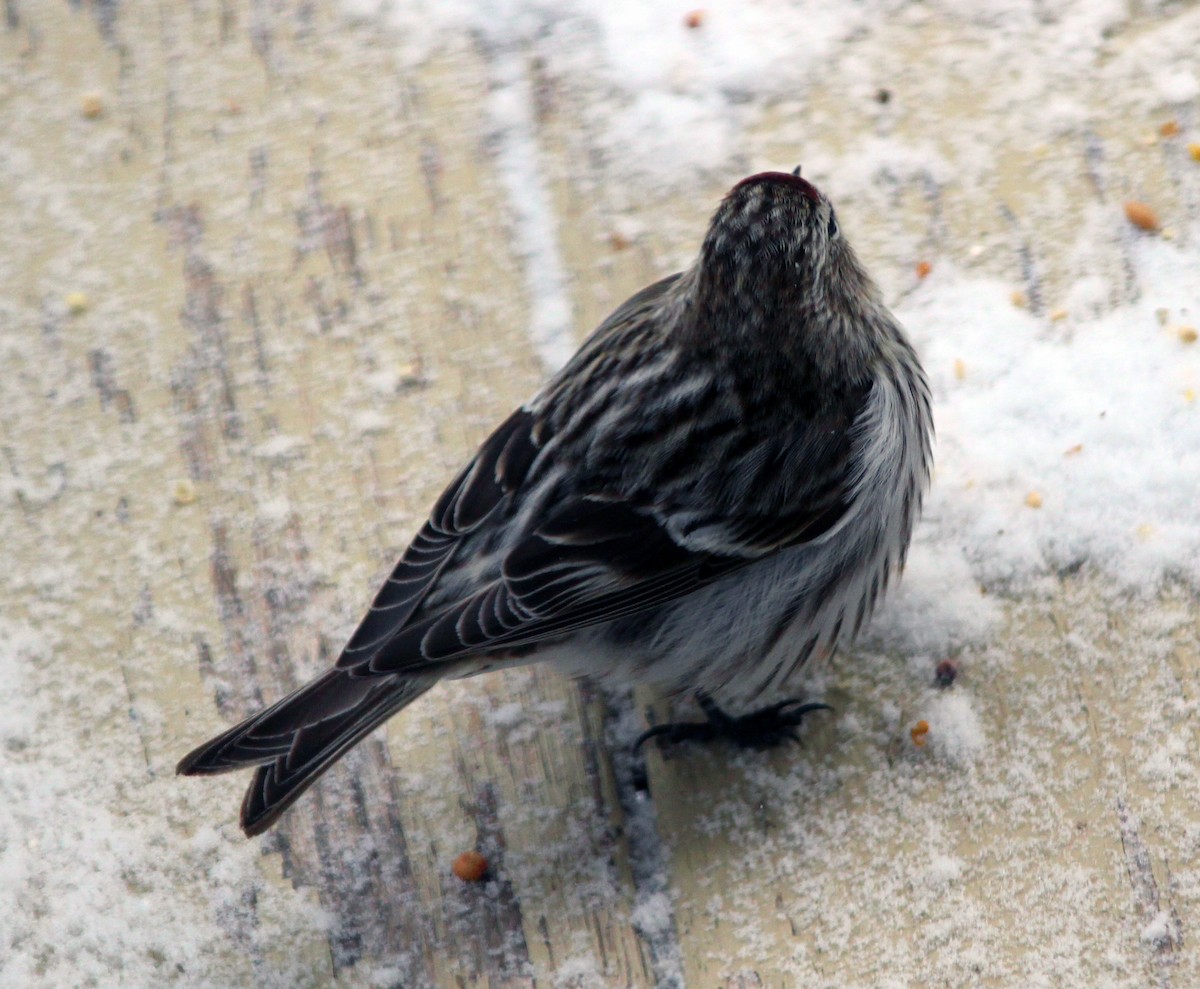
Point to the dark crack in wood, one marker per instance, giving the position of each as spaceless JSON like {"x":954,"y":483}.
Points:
{"x":1161,"y":931}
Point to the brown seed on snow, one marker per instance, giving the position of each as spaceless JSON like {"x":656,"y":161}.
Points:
{"x":1019,"y":299}
{"x":91,"y":105}
{"x":1169,"y":128}
{"x":1141,"y":215}
{"x":1077,"y":448}
{"x":1033,"y":499}
{"x":923,"y":269}
{"x":1194,"y":150}
{"x":694,"y":19}
{"x":960,"y":368}
{"x":946,"y":673}
{"x":1187,"y":334}
{"x":920,"y":733}
{"x":470,"y":867}
{"x":185,"y":492}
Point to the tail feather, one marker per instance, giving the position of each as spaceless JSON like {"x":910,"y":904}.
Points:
{"x":295,"y":740}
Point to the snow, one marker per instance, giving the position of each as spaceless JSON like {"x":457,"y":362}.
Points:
{"x":91,"y":863}
{"x":956,"y":733}
{"x":1096,"y":413}
{"x":514,"y":142}
{"x":1177,"y":85}
{"x":1026,"y":406}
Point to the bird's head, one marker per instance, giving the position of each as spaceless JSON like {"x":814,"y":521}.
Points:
{"x":773,"y":230}
{"x":777,"y":278}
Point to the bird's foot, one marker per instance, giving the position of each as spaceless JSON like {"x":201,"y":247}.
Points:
{"x":763,"y":729}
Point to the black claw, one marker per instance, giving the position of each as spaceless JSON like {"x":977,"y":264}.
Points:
{"x":757,"y":730}
{"x":679,"y":731}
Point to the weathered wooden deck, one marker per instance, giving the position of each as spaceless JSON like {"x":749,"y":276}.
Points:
{"x":304,"y":306}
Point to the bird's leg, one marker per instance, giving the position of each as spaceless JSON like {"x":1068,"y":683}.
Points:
{"x":763,"y":729}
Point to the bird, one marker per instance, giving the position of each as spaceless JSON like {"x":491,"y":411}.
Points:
{"x":717,"y":487}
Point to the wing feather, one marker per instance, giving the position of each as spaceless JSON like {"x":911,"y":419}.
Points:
{"x":536,"y":539}
{"x":496,"y":471}
{"x":616,"y":562}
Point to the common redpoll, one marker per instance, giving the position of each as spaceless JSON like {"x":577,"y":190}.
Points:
{"x":716,"y":488}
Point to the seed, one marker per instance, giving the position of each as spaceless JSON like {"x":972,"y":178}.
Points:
{"x":946,"y":673}
{"x":91,"y":105}
{"x":185,"y":492}
{"x":1141,"y":215}
{"x":470,"y":867}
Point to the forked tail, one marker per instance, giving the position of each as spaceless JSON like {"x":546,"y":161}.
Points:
{"x":294,"y":741}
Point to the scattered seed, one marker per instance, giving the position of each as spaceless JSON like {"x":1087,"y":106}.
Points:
{"x":1141,"y":215}
{"x":185,"y":492}
{"x":91,"y":105}
{"x":1033,"y":499}
{"x":920,"y":733}
{"x":946,"y":673}
{"x":470,"y":867}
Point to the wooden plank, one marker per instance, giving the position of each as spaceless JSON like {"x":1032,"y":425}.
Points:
{"x":862,"y":860}
{"x":301,"y":320}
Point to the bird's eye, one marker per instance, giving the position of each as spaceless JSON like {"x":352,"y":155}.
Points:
{"x":832,"y":228}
